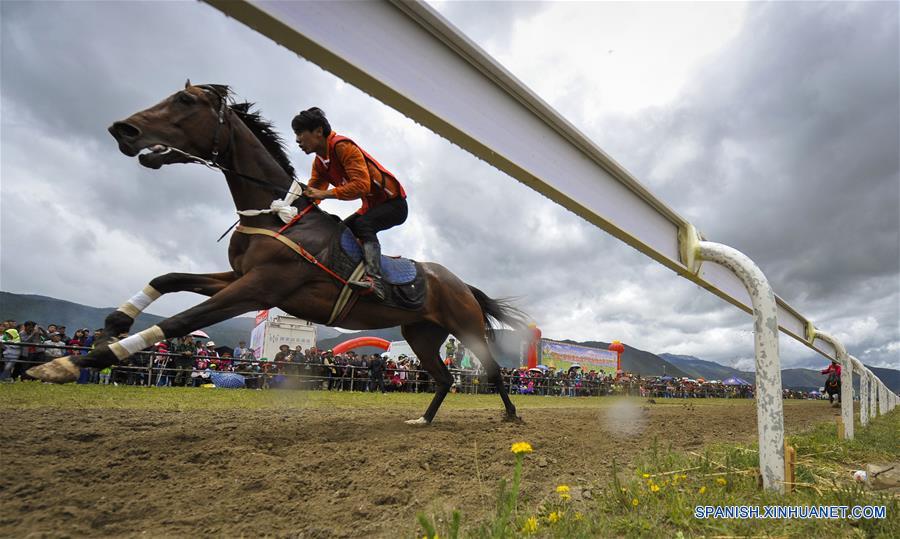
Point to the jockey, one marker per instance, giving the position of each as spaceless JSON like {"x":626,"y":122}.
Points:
{"x":341,"y":163}
{"x":835,"y":368}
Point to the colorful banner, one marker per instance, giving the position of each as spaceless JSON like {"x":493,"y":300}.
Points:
{"x":562,"y":356}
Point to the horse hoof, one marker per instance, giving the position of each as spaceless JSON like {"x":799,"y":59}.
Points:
{"x":513,"y":419}
{"x":420,"y":422}
{"x":59,"y":371}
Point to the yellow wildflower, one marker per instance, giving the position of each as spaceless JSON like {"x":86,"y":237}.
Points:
{"x":578,"y":515}
{"x":565,"y":497}
{"x":722,"y":481}
{"x":531,"y":525}
{"x":634,"y":502}
{"x":624,"y":489}
{"x":553,"y":517}
{"x":646,"y":476}
{"x":521,"y":447}
{"x":562,"y":489}
{"x":684,"y":476}
{"x":654,"y":488}
{"x":702,"y":489}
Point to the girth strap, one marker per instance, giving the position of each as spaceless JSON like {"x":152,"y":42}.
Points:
{"x":347,"y":298}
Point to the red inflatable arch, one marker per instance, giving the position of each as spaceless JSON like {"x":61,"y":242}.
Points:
{"x":360,"y":342}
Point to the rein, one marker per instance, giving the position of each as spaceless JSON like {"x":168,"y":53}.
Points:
{"x":275,"y":189}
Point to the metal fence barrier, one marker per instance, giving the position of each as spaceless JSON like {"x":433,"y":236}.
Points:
{"x":167,"y":369}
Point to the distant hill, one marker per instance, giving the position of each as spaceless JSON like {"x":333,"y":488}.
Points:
{"x":802,"y":379}
{"x":698,"y":368}
{"x":45,"y":310}
{"x":890,"y":377}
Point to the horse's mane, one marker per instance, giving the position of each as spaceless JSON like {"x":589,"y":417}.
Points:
{"x":258,"y":125}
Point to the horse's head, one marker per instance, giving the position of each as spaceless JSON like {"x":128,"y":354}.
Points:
{"x":191,"y":120}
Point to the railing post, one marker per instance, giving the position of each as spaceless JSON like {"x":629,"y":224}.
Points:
{"x":846,"y":381}
{"x":863,"y":392}
{"x":873,"y":396}
{"x":769,"y":405}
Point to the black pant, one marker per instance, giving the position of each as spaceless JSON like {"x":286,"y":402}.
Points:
{"x":377,"y":381}
{"x":381,"y":217}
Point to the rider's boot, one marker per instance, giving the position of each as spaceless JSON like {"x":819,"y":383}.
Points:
{"x":372,"y":282}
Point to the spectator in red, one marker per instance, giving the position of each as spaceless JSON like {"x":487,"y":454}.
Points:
{"x":835,"y":368}
{"x":76,"y":341}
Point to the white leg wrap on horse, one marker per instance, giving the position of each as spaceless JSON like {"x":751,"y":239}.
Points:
{"x":136,"y":343}
{"x":140,"y":301}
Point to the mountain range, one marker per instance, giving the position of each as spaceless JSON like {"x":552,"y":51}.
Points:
{"x":45,"y":310}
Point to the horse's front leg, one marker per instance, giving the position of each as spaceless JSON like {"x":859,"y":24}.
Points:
{"x":207,"y":284}
{"x":246,"y":294}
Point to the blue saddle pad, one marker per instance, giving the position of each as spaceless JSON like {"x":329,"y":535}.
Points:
{"x":395,"y":270}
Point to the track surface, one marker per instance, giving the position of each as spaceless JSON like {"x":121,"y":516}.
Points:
{"x":322,"y":471}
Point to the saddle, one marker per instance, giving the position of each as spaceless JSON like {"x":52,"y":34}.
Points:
{"x":404,"y":280}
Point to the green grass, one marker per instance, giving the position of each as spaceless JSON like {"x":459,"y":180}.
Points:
{"x":37,"y":395}
{"x":649,"y":500}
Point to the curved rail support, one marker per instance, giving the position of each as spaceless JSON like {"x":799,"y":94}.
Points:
{"x":769,"y":405}
{"x":873,"y":395}
{"x":863,"y":391}
{"x":846,"y":382}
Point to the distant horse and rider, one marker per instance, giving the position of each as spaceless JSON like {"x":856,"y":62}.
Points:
{"x":833,"y":382}
{"x":288,"y":253}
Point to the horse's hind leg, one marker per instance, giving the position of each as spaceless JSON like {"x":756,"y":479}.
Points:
{"x":478,"y":345}
{"x":470,"y":328}
{"x":425,"y":338}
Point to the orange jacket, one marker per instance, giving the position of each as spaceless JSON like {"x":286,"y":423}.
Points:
{"x":354,"y":173}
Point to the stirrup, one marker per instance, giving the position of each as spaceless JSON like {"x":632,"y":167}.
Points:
{"x":365,"y":285}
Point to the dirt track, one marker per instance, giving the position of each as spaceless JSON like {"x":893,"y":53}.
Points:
{"x":315,"y":473}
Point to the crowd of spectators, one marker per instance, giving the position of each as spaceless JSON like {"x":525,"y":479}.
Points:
{"x":187,"y":361}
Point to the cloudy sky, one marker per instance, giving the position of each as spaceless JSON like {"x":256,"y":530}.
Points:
{"x":788,"y":109}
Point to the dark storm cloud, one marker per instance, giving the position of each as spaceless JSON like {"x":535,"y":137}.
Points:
{"x":797,"y":129}
{"x":812,"y":195}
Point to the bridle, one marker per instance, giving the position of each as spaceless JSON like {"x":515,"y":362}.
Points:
{"x":219,"y":123}
{"x":213,"y":163}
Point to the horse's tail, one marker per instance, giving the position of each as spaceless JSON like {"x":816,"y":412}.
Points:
{"x":499,"y":310}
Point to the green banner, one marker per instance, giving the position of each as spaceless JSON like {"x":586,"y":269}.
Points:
{"x":563,"y":355}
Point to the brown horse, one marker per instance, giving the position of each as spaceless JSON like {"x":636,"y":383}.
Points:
{"x":201,"y":123}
